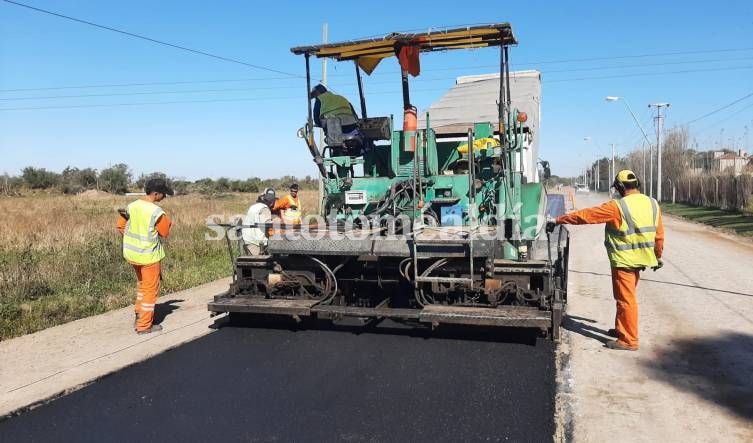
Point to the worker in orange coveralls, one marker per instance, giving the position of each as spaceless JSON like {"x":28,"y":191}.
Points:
{"x":289,"y":207}
{"x":143,"y":226}
{"x":634,"y":238}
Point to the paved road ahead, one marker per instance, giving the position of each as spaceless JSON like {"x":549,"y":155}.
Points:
{"x":270,"y":384}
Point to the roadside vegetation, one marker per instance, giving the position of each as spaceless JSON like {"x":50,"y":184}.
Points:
{"x":60,"y":256}
{"x":739,"y":222}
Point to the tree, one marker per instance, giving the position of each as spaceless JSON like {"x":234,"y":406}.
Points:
{"x":143,"y":178}
{"x":39,"y":178}
{"x":10,"y":185}
{"x":115,"y":179}
{"x":180,"y":186}
{"x":74,"y":180}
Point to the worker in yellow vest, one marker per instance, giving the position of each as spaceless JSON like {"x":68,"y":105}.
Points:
{"x":634,"y":238}
{"x":143,"y":226}
{"x":289,"y":207}
{"x":328,"y":104}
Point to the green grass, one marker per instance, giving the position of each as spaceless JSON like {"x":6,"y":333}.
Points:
{"x":43,"y":288}
{"x":738,"y":222}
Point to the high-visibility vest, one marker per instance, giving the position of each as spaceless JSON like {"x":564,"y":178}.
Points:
{"x":333,"y":105}
{"x":141,"y":242}
{"x":257,"y":213}
{"x":632,"y":245}
{"x":290,"y":215}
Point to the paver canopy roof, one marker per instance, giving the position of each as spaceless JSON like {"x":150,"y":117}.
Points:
{"x":370,"y":52}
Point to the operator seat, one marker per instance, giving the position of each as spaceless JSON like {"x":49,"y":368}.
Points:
{"x":343,"y":136}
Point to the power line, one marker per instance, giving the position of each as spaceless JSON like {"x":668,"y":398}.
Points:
{"x":382,"y":92}
{"x":269,"y":88}
{"x":122,"y":85}
{"x":724,"y":119}
{"x":650,"y":74}
{"x":719,"y":109}
{"x":645,"y":65}
{"x":656,"y":54}
{"x":119,"y":94}
{"x":149,"y":39}
{"x":114,"y":105}
{"x":107,"y":105}
{"x":522,"y":66}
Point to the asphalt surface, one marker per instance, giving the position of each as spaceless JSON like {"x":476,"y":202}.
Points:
{"x":272,"y":382}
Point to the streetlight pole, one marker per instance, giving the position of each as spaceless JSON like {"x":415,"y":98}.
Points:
{"x":613,"y":98}
{"x":659,"y":121}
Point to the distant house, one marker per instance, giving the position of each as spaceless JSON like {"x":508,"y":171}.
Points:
{"x":721,"y":161}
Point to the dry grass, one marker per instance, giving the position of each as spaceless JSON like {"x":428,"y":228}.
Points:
{"x":50,"y":221}
{"x":60,"y":256}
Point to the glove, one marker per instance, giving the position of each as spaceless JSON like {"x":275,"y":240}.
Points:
{"x":659,"y":265}
{"x":550,"y":225}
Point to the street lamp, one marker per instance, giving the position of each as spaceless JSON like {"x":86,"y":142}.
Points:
{"x":614,"y":98}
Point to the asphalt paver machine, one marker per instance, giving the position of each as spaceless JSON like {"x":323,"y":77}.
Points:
{"x":422,"y":223}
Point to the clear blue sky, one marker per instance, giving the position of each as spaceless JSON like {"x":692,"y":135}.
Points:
{"x":235,"y":121}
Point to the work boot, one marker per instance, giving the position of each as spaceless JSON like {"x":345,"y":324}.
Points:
{"x":620,"y":346}
{"x":612,"y":333}
{"x":153,"y":328}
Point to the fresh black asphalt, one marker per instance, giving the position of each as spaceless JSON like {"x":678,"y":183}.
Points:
{"x":275,"y":383}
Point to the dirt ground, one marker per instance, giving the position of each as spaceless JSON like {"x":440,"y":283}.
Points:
{"x":692,"y":379}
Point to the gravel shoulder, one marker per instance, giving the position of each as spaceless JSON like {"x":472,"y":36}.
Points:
{"x":692,"y":379}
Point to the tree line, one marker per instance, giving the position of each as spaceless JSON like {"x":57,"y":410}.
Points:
{"x":119,"y":179}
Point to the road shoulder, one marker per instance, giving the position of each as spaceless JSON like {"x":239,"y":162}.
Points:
{"x":691,"y":379}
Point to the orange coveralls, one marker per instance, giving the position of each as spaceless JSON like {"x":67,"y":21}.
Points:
{"x":624,"y":280}
{"x":148,"y":278}
{"x":285,"y":203}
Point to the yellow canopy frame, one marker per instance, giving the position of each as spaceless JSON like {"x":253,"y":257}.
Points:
{"x":368,"y":53}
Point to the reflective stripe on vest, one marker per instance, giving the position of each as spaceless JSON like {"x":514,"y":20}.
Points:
{"x":141,"y":243}
{"x":632,"y":245}
{"x":333,"y":105}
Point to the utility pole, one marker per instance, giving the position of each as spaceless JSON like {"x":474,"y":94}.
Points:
{"x":614,"y":171}
{"x":659,"y":121}
{"x":643,"y":172}
{"x":598,"y":173}
{"x":651,"y":170}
